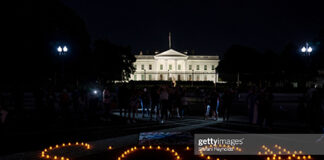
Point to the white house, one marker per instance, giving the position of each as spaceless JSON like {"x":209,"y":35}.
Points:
{"x":176,"y":66}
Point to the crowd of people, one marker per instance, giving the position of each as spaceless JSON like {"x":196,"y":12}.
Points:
{"x":158,"y":103}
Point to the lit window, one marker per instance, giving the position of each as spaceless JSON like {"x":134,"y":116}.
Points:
{"x":150,"y":67}
{"x":197,"y":78}
{"x":197,"y":67}
{"x":161,"y":67}
{"x":205,"y":67}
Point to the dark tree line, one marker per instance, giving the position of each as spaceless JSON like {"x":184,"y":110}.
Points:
{"x":36,"y":28}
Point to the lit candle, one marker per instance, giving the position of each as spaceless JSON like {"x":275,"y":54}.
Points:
{"x":187,"y":148}
{"x":178,"y":157}
{"x":109,"y":147}
{"x":62,"y":158}
{"x":208,"y":157}
{"x":309,"y":157}
{"x":57,"y":146}
{"x":55,"y":157}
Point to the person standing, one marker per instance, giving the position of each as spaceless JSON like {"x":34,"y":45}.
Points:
{"x":146,"y":100}
{"x":164,"y":97}
{"x":106,"y":99}
{"x":227,"y":103}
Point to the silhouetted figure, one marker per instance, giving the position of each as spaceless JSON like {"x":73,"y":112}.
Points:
{"x":251,"y":99}
{"x":227,"y":103}
{"x":146,"y":101}
{"x":155,"y":103}
{"x":107,"y":100}
{"x":214,"y":104}
{"x":164,"y":98}
{"x":134,"y":103}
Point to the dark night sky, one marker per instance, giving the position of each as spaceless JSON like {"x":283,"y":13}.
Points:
{"x":204,"y":26}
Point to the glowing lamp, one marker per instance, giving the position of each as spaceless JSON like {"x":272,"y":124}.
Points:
{"x":208,"y":157}
{"x":309,"y":157}
{"x":109,"y":147}
{"x":188,"y":148}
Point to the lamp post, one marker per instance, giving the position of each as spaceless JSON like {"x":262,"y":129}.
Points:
{"x":61,"y":52}
{"x":307,"y":51}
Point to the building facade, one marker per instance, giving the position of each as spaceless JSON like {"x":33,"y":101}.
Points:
{"x":175,"y":66}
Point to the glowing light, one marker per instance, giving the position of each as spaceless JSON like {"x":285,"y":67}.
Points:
{"x":178,"y":157}
{"x":259,"y":153}
{"x":65,"y":49}
{"x":69,"y":144}
{"x":143,"y":147}
{"x":76,"y":143}
{"x":303,"y":49}
{"x":63,"y":144}
{"x":62,"y":158}
{"x":158,"y":147}
{"x":309,"y":157}
{"x":47,"y":156}
{"x":208,"y":157}
{"x":50,"y":147}
{"x":298,"y":157}
{"x":187,"y":148}
{"x":150,"y":147}
{"x":59,"y":49}
{"x":304,"y":157}
{"x":289,"y":158}
{"x":55,"y":157}
{"x":310,"y":49}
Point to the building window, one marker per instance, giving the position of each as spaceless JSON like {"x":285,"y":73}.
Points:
{"x":213,"y":67}
{"x":150,"y":67}
{"x":142,"y":67}
{"x":150,"y":77}
{"x":190,"y":78}
{"x":197,"y":78}
{"x":143,"y":77}
{"x":190,"y":67}
{"x":197,"y":67}
{"x":170,"y":67}
{"x":161,"y":67}
{"x":135,"y":77}
{"x":161,"y":77}
{"x":205,"y":67}
{"x":179,"y":67}
{"x":179,"y":77}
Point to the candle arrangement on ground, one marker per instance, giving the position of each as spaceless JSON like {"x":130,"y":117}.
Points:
{"x":48,"y":153}
{"x":165,"y":151}
{"x":280,"y":153}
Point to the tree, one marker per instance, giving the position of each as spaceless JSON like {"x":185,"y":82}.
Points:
{"x":112,"y":62}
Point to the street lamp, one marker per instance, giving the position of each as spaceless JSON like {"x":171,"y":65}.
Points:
{"x":307,"y":49}
{"x":62,"y":50}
